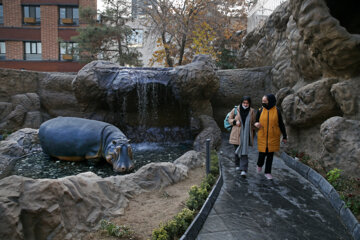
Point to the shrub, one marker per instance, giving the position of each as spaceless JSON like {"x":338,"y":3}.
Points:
{"x":214,"y":163}
{"x":117,"y":231}
{"x":348,"y":189}
{"x":174,"y":228}
{"x":333,"y":176}
{"x":197,"y":197}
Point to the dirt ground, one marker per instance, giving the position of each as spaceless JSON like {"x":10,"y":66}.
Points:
{"x":146,"y":211}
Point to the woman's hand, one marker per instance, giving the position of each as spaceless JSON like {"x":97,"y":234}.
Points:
{"x":238,"y":123}
{"x":258,"y":125}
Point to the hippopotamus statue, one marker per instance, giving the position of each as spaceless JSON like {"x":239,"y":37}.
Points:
{"x":76,"y":139}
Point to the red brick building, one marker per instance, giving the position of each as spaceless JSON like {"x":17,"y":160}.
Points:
{"x":30,"y":31}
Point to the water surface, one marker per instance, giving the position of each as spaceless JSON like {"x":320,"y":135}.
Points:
{"x":40,"y":165}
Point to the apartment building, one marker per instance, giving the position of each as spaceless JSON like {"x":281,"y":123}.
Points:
{"x":31,"y":30}
{"x":260,"y":11}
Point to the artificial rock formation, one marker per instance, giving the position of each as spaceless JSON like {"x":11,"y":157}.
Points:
{"x":105,"y":91}
{"x":236,"y":83}
{"x":312,"y":49}
{"x":16,"y":145}
{"x":68,"y":207}
{"x":195,"y":84}
{"x":341,"y":140}
{"x":19,"y":100}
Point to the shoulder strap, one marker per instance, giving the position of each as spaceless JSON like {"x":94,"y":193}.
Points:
{"x":235,"y":112}
{"x":278,"y":112}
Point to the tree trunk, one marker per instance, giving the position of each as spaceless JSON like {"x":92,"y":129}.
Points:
{"x":120,"y":57}
{"x":182,"y":49}
{"x":167,"y":52}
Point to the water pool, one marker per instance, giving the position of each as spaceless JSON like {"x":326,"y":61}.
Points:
{"x":40,"y":165}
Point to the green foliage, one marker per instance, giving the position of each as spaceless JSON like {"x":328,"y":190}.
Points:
{"x":109,"y":38}
{"x":160,"y":234}
{"x":214,"y":163}
{"x":348,"y":189}
{"x":117,"y":231}
{"x":226,"y":59}
{"x":197,"y":196}
{"x":333,"y":176}
{"x":4,"y":134}
{"x":175,"y":227}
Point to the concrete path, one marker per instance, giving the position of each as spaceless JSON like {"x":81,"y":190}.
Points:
{"x":288,"y":207}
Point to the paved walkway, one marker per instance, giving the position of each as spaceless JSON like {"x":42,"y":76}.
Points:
{"x":288,"y":207}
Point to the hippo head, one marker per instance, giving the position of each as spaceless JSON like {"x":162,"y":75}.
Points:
{"x":120,"y":156}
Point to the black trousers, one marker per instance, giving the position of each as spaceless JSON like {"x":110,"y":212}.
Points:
{"x":237,"y":159}
{"x":269,"y":159}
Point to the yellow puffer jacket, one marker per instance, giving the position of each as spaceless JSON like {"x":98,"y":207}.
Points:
{"x":269,"y":134}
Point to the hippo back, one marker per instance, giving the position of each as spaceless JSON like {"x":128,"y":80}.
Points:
{"x":70,"y":136}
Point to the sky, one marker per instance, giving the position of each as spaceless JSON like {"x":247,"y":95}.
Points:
{"x":100,"y":4}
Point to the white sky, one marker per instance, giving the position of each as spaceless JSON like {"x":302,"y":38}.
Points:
{"x":100,"y":4}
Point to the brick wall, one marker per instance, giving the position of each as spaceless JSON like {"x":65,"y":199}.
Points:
{"x":14,"y":50}
{"x":49,"y":32}
{"x":12,"y":13}
{"x":88,"y":3}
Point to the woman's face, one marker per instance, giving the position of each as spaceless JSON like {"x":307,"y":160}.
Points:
{"x":246,"y":103}
{"x":265,"y":100}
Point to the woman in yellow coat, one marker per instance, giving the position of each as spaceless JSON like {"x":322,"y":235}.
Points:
{"x":271,"y":126}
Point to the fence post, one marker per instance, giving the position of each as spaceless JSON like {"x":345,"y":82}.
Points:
{"x":207,"y":156}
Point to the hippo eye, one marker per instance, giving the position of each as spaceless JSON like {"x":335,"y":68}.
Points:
{"x":130,"y":152}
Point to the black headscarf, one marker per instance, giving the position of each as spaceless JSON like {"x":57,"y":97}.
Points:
{"x":272,"y":101}
{"x":244,"y":112}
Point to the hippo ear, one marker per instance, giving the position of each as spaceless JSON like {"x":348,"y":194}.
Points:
{"x":114,"y":142}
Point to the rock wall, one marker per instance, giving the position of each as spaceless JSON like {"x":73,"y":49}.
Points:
{"x":236,"y":83}
{"x":313,"y":49}
{"x":136,"y":100}
{"x":69,"y":207}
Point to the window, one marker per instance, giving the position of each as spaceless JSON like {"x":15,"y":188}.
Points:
{"x":1,"y":14}
{"x":33,"y":51}
{"x":136,"y":38}
{"x":138,"y":8}
{"x":2,"y":50}
{"x":31,"y":14}
{"x":69,"y":51}
{"x":69,"y":16}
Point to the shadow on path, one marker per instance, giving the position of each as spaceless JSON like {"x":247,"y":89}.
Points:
{"x":288,"y":207}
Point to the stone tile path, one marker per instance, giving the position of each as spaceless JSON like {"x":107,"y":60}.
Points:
{"x":286,"y":208}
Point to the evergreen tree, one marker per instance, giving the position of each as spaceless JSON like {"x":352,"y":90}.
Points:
{"x":108,"y":38}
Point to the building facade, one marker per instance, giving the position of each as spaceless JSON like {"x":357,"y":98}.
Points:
{"x":260,"y":11}
{"x":36,"y":34}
